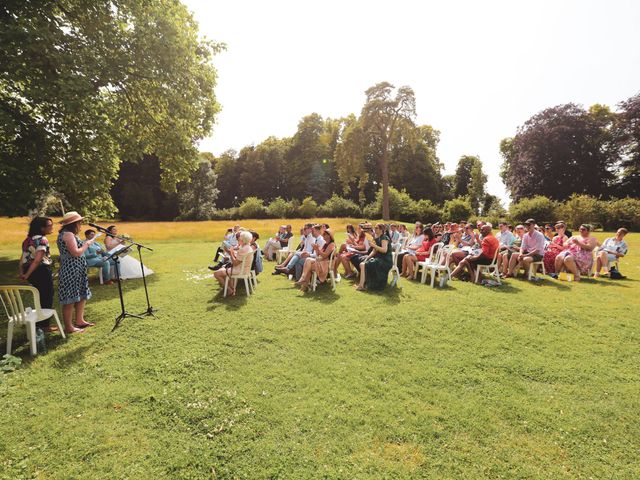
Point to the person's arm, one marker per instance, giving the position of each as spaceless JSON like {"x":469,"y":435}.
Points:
{"x":35,"y":264}
{"x":327,"y":253}
{"x":72,"y":246}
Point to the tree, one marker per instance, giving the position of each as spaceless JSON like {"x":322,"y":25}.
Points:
{"x":627,"y":133}
{"x":456,"y":210}
{"x":470,"y":180}
{"x":85,"y":85}
{"x":226,"y":170}
{"x":197,"y":197}
{"x":383,"y":116}
{"x":138,"y":195}
{"x":560,"y":151}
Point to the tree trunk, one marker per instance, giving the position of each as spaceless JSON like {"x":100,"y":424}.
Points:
{"x":385,"y":184}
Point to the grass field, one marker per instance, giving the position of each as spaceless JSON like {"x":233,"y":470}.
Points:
{"x":522,"y":381}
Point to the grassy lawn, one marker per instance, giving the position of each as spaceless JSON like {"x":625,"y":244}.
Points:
{"x":521,"y":381}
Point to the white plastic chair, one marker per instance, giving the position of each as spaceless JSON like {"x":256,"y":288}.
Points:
{"x":491,"y":269}
{"x":395,"y":271}
{"x":440,"y":267}
{"x":532,"y":270}
{"x":330,"y":275}
{"x":18,"y":314}
{"x":426,"y":263}
{"x":283,"y":252}
{"x":245,"y":274}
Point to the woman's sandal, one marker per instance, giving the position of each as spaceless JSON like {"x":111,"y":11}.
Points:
{"x":360,"y":289}
{"x":85,"y":325}
{"x":75,"y":330}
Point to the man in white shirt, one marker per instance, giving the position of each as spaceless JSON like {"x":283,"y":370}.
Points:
{"x":312,"y":236}
{"x":531,"y":250}
{"x":505,"y":237}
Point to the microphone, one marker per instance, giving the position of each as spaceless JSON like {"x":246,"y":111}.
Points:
{"x":97,"y":227}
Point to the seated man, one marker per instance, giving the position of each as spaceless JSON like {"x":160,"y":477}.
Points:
{"x":96,"y":256}
{"x":505,"y":254}
{"x":275,"y":243}
{"x":611,"y":250}
{"x":230,"y":241}
{"x":312,"y":236}
{"x":531,"y":250}
{"x":489,"y":246}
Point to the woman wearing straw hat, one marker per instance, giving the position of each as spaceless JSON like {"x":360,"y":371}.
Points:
{"x":73,"y":284}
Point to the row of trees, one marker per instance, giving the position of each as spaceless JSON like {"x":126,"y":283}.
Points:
{"x":566,"y":149}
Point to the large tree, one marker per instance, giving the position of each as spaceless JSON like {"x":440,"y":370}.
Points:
{"x":560,"y":151}
{"x":85,"y":84}
{"x":470,"y":181}
{"x":627,"y":133}
{"x":384,"y":115}
{"x":198,"y":195}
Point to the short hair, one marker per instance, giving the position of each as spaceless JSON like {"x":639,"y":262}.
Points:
{"x":308,"y":225}
{"x":88,"y":231}
{"x":254,"y":234}
{"x":288,"y":227}
{"x":623,"y":230}
{"x":325,"y":225}
{"x":245,"y":237}
{"x":587,"y":226}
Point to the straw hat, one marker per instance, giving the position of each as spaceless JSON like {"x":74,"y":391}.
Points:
{"x":71,"y":217}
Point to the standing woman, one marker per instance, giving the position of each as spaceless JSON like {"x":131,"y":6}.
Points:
{"x":73,"y":284}
{"x":375,"y":270}
{"x":35,"y":263}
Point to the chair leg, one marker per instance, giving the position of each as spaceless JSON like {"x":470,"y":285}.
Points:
{"x":226,"y":284}
{"x":32,"y":337}
{"x":55,"y":315}
{"x":9,"y":337}
{"x":433,"y":278}
{"x":246,"y":287}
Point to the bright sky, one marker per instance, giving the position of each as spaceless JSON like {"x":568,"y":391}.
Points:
{"x":479,"y":68}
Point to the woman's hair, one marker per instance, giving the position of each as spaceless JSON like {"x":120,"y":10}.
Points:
{"x":72,"y":227}
{"x":587,"y":226}
{"x":420,"y":226}
{"x":429,"y":233}
{"x":382,"y":227}
{"x":351,"y":229}
{"x":245,"y":237}
{"x":110,"y":229}
{"x":254,"y":235}
{"x":37,"y":225}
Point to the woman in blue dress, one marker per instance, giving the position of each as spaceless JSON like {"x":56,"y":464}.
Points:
{"x":374,"y":271}
{"x":73,"y":282}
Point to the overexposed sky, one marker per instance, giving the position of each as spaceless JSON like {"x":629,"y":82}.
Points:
{"x":479,"y":68}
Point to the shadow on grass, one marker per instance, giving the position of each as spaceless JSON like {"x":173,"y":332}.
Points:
{"x":72,"y":357}
{"x":323,"y":294}
{"x":233,"y":303}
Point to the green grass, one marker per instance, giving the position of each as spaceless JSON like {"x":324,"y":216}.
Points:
{"x":522,"y":381}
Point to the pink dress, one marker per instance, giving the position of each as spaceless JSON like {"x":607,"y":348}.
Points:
{"x":554,"y":248}
{"x":583,"y":258}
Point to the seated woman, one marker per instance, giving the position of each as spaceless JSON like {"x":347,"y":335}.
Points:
{"x":237,"y":256}
{"x":129,"y":267}
{"x":356,"y":250}
{"x":556,"y":246}
{"x":414,"y":243}
{"x":96,"y":257}
{"x":578,"y":256}
{"x":374,"y":271}
{"x":319,"y":263}
{"x":409,"y":261}
{"x":466,"y":243}
{"x":611,"y":250}
{"x":274,"y":243}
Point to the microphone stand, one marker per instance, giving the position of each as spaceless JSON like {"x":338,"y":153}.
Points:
{"x":150,"y":310}
{"x":123,"y":312}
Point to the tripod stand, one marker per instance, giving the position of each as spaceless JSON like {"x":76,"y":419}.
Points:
{"x":123,"y":312}
{"x":150,"y":310}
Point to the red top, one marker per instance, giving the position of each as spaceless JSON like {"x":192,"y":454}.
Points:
{"x":489,"y":246}
{"x":423,"y":252}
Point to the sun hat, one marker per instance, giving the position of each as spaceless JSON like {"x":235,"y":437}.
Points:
{"x":71,"y":217}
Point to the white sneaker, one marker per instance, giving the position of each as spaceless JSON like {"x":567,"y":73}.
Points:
{"x":290,"y":277}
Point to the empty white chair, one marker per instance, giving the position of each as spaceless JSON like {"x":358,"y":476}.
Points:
{"x":491,"y":269}
{"x":283,"y":252}
{"x":244,"y":273}
{"x":18,"y":314}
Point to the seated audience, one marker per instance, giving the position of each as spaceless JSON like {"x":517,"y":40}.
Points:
{"x":554,"y":247}
{"x":611,"y":250}
{"x":414,"y":243}
{"x":505,"y":255}
{"x":577,"y":258}
{"x":489,"y":246}
{"x":374,"y":270}
{"x":531,"y":250}
{"x":318,"y":263}
{"x":355,"y":251}
{"x":313,"y":237}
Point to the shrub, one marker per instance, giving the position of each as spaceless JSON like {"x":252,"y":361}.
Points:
{"x":252,"y":207}
{"x":280,"y":208}
{"x":401,"y":206}
{"x":581,"y":209}
{"x":540,"y":208}
{"x":456,"y":210}
{"x":227,"y":214}
{"x":337,"y":206}
{"x":624,"y":212}
{"x":425,"y":211}
{"x":308,"y":208}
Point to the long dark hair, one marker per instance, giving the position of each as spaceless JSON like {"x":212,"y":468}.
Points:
{"x":428,"y":232}
{"x":110,"y":229}
{"x":37,"y":225}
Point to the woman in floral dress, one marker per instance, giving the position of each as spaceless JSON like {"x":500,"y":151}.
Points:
{"x":556,"y":246}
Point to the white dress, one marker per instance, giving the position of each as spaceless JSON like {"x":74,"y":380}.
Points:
{"x":129,"y":266}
